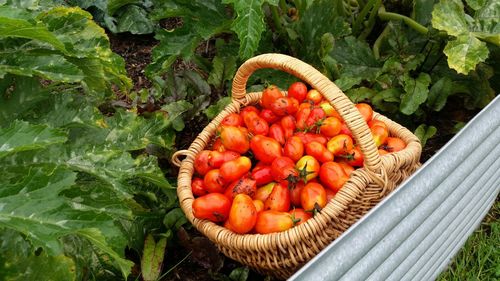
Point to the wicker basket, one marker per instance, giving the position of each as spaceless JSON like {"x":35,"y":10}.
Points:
{"x":281,"y":254}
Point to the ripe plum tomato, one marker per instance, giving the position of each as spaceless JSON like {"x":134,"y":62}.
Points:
{"x":354,"y":157}
{"x":279,"y":199}
{"x":255,"y":124}
{"x":314,"y":96}
{"x":213,"y":206}
{"x":235,"y":169}
{"x":315,"y":118}
{"x":340,"y":144}
{"x":300,"y":216}
{"x":319,"y":151}
{"x":265,"y":149}
{"x":348,"y":169}
{"x":285,"y":106}
{"x":233,"y":138}
{"x":243,"y":215}
{"x":330,"y":127}
{"x":365,"y":110}
{"x":214,"y":182}
{"x":375,"y":122}
{"x":308,"y":168}
{"x":276,"y":132}
{"x":329,"y":110}
{"x":313,"y":197}
{"x":233,"y":119}
{"x":283,"y":168}
{"x":294,"y":148}
{"x":218,"y":146}
{"x":380,"y":134}
{"x":198,"y":187}
{"x":216,"y":158}
{"x":309,"y":137}
{"x":302,"y":115}
{"x":262,"y":175}
{"x":201,"y":162}
{"x":269,"y":116}
{"x":332,"y":176}
{"x":298,"y":90}
{"x":393,"y":144}
{"x":263,"y":192}
{"x":259,"y":205}
{"x":295,"y":193}
{"x":245,"y":110}
{"x":243,"y":185}
{"x":271,"y":221}
{"x":270,"y":95}
{"x":288,"y":125}
{"x":344,"y":130}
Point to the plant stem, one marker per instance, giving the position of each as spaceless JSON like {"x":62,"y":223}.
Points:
{"x":276,"y":19}
{"x":378,"y":42}
{"x":173,"y":267}
{"x":356,"y":27}
{"x":383,"y":15}
{"x":371,"y":20}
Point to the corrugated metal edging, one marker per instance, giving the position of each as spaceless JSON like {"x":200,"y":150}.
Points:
{"x":415,"y":231}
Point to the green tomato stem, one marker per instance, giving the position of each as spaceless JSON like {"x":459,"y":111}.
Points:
{"x":378,"y":42}
{"x":360,"y":18}
{"x":371,"y":20}
{"x":383,"y":15}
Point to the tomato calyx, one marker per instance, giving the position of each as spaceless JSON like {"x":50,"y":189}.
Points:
{"x":317,"y":209}
{"x":303,"y":173}
{"x":295,"y":220}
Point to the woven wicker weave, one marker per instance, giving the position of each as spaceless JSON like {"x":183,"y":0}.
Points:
{"x":281,"y":254}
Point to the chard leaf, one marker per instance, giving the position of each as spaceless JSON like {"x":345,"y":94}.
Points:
{"x":152,"y":258}
{"x":416,"y":92}
{"x":439,"y":93}
{"x":424,"y":133}
{"x":249,"y":24}
{"x":175,"y":111}
{"x":465,"y":52}
{"x":135,"y":20}
{"x":216,"y":108}
{"x":21,"y":136}
{"x":223,"y":70}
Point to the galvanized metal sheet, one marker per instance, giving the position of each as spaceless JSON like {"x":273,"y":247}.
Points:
{"x":414,"y":232}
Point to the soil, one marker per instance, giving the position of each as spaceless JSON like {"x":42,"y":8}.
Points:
{"x":195,"y":257}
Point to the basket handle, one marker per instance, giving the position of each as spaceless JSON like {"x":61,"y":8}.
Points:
{"x":179,"y":153}
{"x":328,"y":89}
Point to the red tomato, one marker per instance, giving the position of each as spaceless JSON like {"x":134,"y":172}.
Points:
{"x":273,"y":221}
{"x":344,"y":130}
{"x":265,"y":149}
{"x":234,"y":139}
{"x":283,"y":168}
{"x":243,"y":215}
{"x":276,"y":132}
{"x":201,"y":162}
{"x":242,"y":186}
{"x":340,"y":144}
{"x":255,"y":124}
{"x":375,"y":122}
{"x":332,"y":176}
{"x":330,"y":127}
{"x":295,"y":193}
{"x":319,"y":151}
{"x":315,"y":118}
{"x":218,"y":146}
{"x":297,"y":90}
{"x":308,"y":168}
{"x":259,"y":205}
{"x":285,"y":106}
{"x":365,"y":110}
{"x":263,"y":192}
{"x":235,"y":169}
{"x":300,"y":216}
{"x":288,"y":125}
{"x":270,"y":95}
{"x":393,"y":144}
{"x":329,"y":110}
{"x":233,"y":119}
{"x":262,"y":175}
{"x":380,"y":134}
{"x":214,"y":182}
{"x":329,"y":194}
{"x":198,"y":187}
{"x":314,"y":96}
{"x":294,"y":148}
{"x":309,"y":137}
{"x":279,"y":199}
{"x":213,"y":206}
{"x":245,"y":110}
{"x":313,"y":196}
{"x":269,"y":116}
{"x":354,"y":157}
{"x":348,"y":169}
{"x":301,"y":117}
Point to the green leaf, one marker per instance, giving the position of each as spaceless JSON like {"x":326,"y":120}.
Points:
{"x":223,"y":70}
{"x":174,"y":219}
{"x":135,"y":20}
{"x":387,"y":100}
{"x":249,"y":24}
{"x":239,"y":274}
{"x":439,"y":93}
{"x":476,"y":4}
{"x":465,"y":52}
{"x":216,"y":108}
{"x":449,"y":16}
{"x":424,"y":132}
{"x":175,"y":111}
{"x":152,"y":258}
{"x":21,"y":136}
{"x":416,"y":92}
{"x":361,"y":94}
{"x":423,"y":11}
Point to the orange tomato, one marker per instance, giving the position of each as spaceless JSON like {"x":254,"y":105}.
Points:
{"x":213,"y":206}
{"x":314,"y":96}
{"x":235,"y":169}
{"x":294,"y":148}
{"x":243,"y":215}
{"x":319,"y":151}
{"x":393,"y":144}
{"x":243,"y":185}
{"x":365,"y":110}
{"x":214,"y":182}
{"x":263,"y":192}
{"x":265,"y":149}
{"x":308,"y":168}
{"x":198,"y":187}
{"x":279,"y":199}
{"x":300,"y":216}
{"x":340,"y":144}
{"x":330,"y":127}
{"x":234,"y":139}
{"x":332,"y":176}
{"x":273,"y":221}
{"x":313,"y":196}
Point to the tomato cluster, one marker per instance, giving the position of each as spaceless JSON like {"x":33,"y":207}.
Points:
{"x":274,"y":165}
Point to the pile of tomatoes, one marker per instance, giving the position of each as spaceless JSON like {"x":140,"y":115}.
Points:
{"x":274,"y":165}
